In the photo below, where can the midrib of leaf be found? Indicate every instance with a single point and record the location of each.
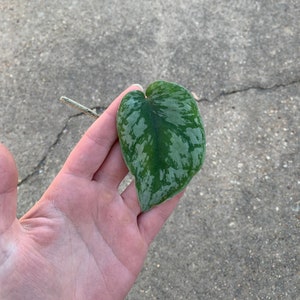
(155, 121)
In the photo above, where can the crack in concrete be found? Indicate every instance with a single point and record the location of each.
(41, 163)
(261, 88)
(254, 87)
(100, 109)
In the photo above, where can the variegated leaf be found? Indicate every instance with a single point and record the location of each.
(162, 140)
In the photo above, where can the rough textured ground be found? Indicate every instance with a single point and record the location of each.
(235, 235)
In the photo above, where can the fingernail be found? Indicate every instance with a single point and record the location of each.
(139, 86)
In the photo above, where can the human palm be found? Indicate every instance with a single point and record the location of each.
(83, 239)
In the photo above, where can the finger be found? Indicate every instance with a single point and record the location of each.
(113, 169)
(96, 143)
(130, 198)
(8, 189)
(152, 221)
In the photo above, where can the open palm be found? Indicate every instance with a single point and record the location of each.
(82, 240)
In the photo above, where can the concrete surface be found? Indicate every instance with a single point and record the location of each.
(235, 235)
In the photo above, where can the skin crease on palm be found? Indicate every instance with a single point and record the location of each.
(82, 239)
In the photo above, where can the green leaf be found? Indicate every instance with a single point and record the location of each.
(162, 140)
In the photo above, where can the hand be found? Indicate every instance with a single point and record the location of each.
(82, 240)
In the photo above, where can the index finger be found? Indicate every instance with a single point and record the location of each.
(92, 149)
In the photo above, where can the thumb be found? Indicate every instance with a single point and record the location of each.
(8, 189)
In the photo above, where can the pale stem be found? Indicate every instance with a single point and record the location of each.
(79, 107)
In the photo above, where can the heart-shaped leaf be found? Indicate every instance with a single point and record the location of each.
(162, 140)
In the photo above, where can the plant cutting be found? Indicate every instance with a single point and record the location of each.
(162, 139)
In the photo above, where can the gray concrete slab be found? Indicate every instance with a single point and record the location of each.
(235, 235)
